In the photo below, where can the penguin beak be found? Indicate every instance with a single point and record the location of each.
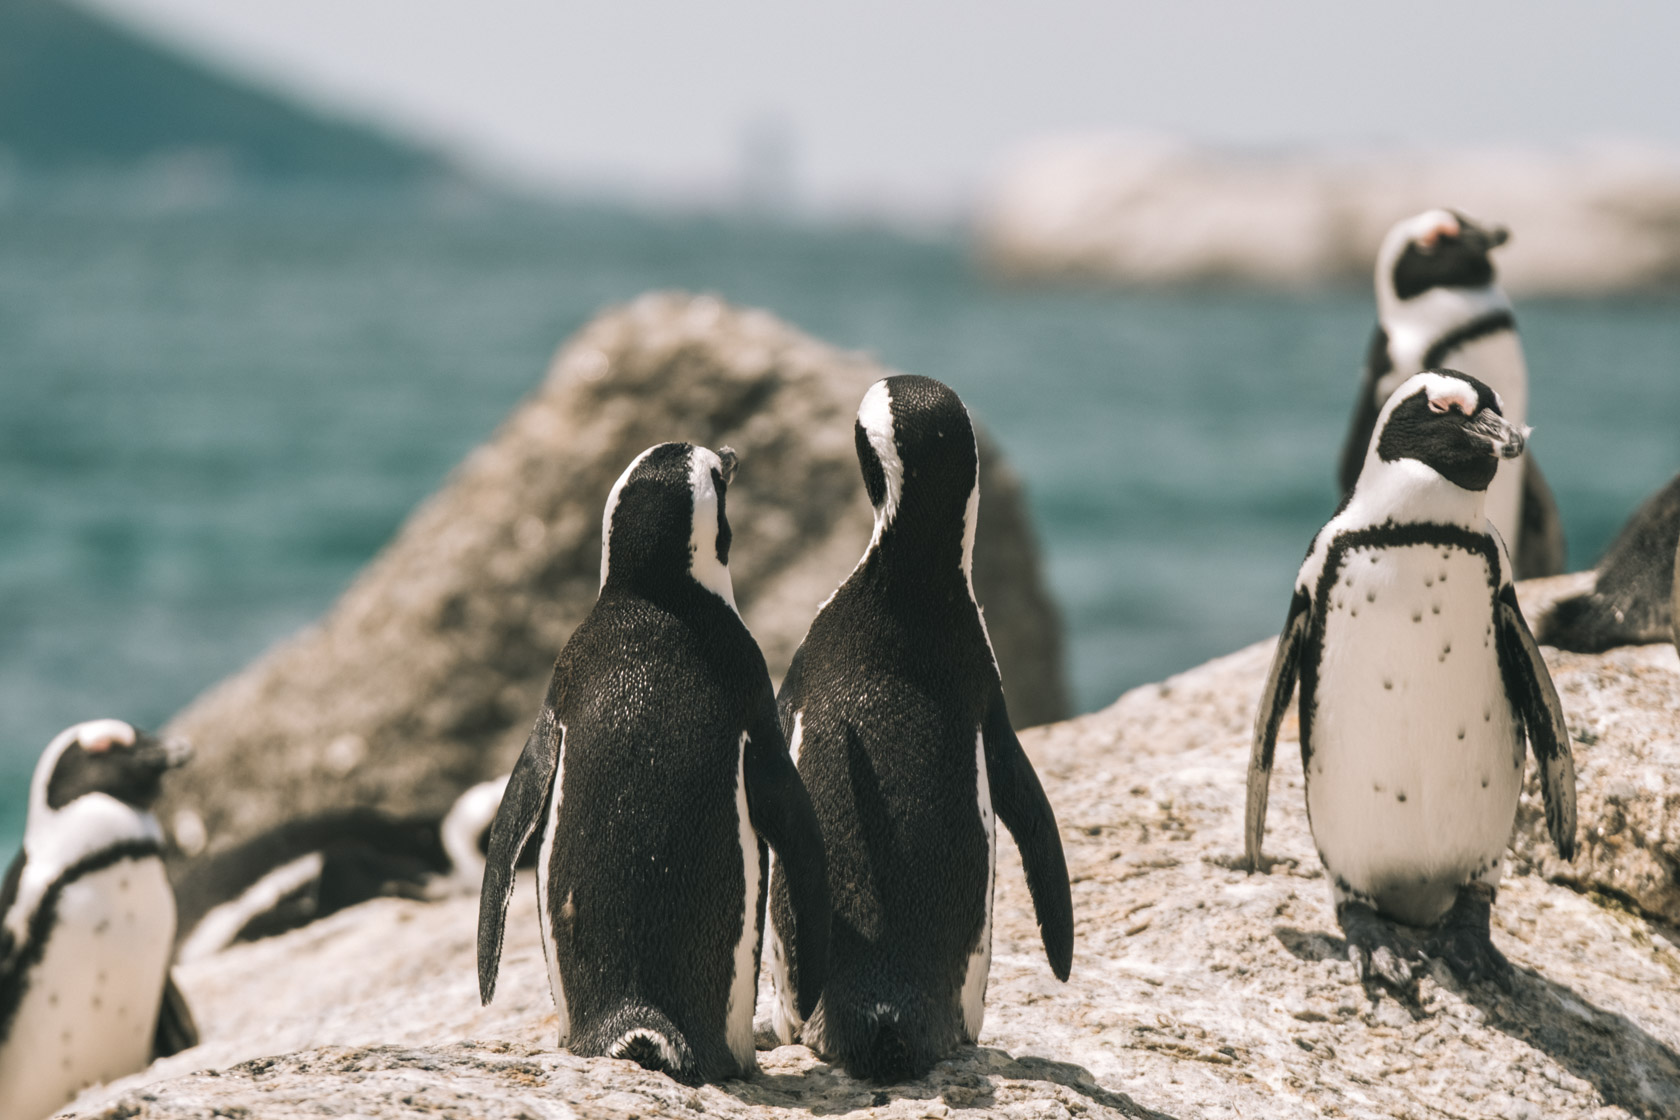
(1507, 439)
(727, 456)
(1483, 238)
(163, 754)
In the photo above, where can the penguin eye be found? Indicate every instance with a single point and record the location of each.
(1438, 406)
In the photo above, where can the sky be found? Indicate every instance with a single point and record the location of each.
(912, 104)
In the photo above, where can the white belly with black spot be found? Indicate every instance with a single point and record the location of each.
(1416, 754)
(90, 1012)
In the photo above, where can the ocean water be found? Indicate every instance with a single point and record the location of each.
(210, 420)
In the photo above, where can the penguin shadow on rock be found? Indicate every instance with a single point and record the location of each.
(87, 921)
(1421, 690)
(894, 711)
(655, 779)
(1627, 1067)
(1439, 304)
(1633, 599)
(305, 869)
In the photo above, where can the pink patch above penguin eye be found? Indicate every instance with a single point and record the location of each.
(1437, 406)
(1433, 235)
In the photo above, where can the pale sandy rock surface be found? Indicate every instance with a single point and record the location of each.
(1197, 990)
(425, 676)
(1132, 209)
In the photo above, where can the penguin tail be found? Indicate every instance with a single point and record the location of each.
(879, 1045)
(653, 1042)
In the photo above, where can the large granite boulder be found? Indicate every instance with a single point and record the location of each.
(1198, 990)
(425, 676)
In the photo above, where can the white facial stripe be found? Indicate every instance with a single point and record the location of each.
(105, 732)
(1452, 394)
(702, 542)
(612, 507)
(875, 414)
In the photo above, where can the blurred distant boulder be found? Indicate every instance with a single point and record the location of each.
(426, 674)
(1122, 209)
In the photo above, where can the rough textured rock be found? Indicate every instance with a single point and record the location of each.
(1129, 209)
(1197, 990)
(426, 674)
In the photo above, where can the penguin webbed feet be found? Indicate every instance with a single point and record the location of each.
(1464, 943)
(1376, 948)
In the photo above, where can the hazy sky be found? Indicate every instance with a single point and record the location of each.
(912, 102)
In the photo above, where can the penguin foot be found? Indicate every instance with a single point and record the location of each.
(1375, 947)
(1464, 941)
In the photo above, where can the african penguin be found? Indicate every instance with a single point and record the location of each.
(655, 775)
(1631, 602)
(1419, 683)
(86, 922)
(895, 712)
(309, 867)
(1439, 304)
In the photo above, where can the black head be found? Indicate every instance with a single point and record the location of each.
(1450, 422)
(1440, 249)
(109, 756)
(665, 522)
(915, 443)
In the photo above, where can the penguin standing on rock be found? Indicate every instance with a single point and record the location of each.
(655, 774)
(87, 923)
(1419, 684)
(894, 709)
(1439, 305)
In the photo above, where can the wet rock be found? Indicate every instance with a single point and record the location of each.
(1198, 990)
(425, 676)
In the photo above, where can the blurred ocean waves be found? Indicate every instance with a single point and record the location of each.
(213, 415)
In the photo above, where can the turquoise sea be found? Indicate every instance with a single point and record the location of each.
(210, 419)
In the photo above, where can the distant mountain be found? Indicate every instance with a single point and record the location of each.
(78, 92)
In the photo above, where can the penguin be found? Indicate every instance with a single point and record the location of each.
(1419, 682)
(655, 775)
(894, 709)
(307, 868)
(1631, 602)
(1439, 304)
(86, 922)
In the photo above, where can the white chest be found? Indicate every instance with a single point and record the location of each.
(1416, 754)
(90, 1010)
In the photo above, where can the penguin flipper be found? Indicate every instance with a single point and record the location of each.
(523, 807)
(1365, 411)
(1274, 705)
(1540, 547)
(8, 899)
(176, 1030)
(1019, 801)
(1535, 698)
(780, 809)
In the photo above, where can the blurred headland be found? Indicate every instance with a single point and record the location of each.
(85, 101)
(1588, 220)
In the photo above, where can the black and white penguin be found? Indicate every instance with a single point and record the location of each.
(309, 867)
(1440, 305)
(1631, 602)
(1419, 683)
(87, 922)
(655, 774)
(895, 712)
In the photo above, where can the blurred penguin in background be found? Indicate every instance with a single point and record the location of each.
(1439, 305)
(1632, 600)
(87, 923)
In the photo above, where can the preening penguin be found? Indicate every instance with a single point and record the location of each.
(1440, 305)
(655, 774)
(894, 709)
(86, 923)
(1632, 601)
(307, 868)
(1419, 683)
